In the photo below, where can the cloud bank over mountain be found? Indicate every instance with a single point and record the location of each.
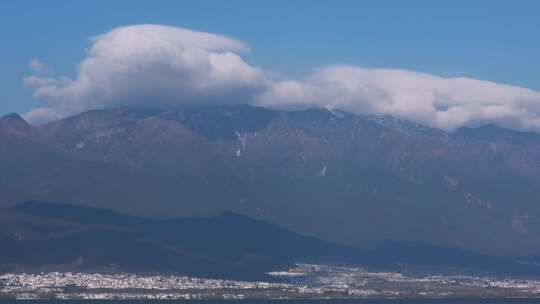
(155, 65)
(151, 65)
(445, 103)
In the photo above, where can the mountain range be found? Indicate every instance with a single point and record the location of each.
(342, 178)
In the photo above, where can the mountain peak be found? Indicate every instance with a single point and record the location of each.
(13, 116)
(14, 124)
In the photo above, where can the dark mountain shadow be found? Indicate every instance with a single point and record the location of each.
(228, 245)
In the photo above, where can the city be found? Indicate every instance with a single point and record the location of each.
(305, 281)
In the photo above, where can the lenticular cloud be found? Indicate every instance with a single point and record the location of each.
(163, 66)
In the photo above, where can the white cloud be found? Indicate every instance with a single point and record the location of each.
(40, 116)
(153, 65)
(445, 103)
(39, 67)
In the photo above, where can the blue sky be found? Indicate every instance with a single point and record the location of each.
(488, 40)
